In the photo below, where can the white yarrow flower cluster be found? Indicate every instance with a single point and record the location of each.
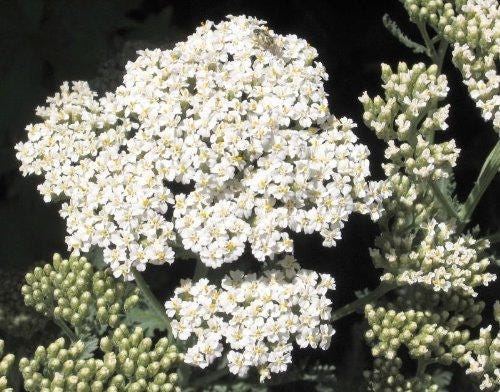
(219, 142)
(257, 318)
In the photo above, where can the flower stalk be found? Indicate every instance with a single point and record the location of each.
(66, 329)
(444, 201)
(358, 304)
(152, 301)
(490, 168)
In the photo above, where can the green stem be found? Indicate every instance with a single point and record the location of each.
(437, 58)
(372, 296)
(152, 301)
(444, 201)
(421, 366)
(200, 270)
(443, 47)
(493, 238)
(490, 168)
(431, 50)
(67, 330)
(205, 381)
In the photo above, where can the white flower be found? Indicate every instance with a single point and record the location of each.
(258, 318)
(236, 363)
(211, 145)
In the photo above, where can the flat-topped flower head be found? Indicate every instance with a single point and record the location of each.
(224, 140)
(257, 319)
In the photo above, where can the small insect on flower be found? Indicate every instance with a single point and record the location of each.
(267, 41)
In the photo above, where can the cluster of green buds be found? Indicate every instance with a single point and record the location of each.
(16, 319)
(6, 361)
(465, 22)
(407, 118)
(130, 362)
(475, 24)
(435, 257)
(437, 13)
(386, 376)
(430, 325)
(435, 328)
(473, 28)
(482, 356)
(71, 290)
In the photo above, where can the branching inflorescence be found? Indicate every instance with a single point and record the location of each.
(472, 27)
(425, 255)
(419, 249)
(224, 144)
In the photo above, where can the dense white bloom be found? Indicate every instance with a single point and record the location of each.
(214, 144)
(258, 318)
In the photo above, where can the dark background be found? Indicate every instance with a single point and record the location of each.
(43, 43)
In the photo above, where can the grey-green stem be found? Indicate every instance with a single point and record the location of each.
(200, 270)
(437, 58)
(356, 305)
(431, 50)
(444, 201)
(489, 170)
(490, 167)
(66, 329)
(152, 301)
(494, 238)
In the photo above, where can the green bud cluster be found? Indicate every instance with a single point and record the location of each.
(481, 78)
(472, 27)
(16, 319)
(421, 246)
(435, 328)
(429, 324)
(386, 376)
(475, 32)
(407, 118)
(437, 13)
(475, 25)
(130, 363)
(71, 290)
(463, 22)
(6, 362)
